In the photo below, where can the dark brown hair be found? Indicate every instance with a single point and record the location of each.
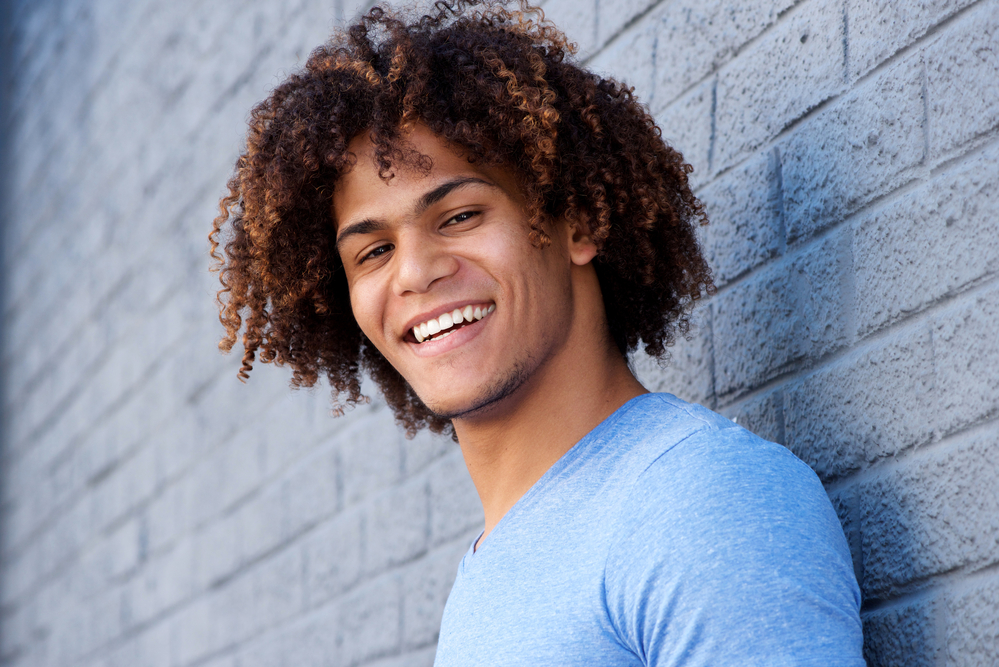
(499, 83)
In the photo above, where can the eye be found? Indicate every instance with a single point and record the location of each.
(377, 252)
(461, 217)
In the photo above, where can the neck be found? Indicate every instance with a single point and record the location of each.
(511, 447)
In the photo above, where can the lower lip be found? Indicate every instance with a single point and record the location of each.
(458, 337)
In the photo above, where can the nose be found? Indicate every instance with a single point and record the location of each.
(421, 260)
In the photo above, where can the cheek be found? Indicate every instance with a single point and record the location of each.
(368, 307)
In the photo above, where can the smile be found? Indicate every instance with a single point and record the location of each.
(446, 324)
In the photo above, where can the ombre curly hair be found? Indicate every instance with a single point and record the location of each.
(501, 84)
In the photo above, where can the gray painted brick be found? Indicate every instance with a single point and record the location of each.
(425, 587)
(790, 312)
(314, 640)
(222, 661)
(745, 212)
(454, 504)
(223, 477)
(629, 57)
(966, 354)
(273, 647)
(122, 550)
(258, 524)
(864, 145)
(151, 648)
(145, 592)
(805, 53)
(879, 28)
(137, 471)
(191, 632)
(577, 20)
(16, 625)
(687, 126)
(935, 512)
(972, 630)
(333, 556)
(956, 214)
(962, 104)
(955, 627)
(278, 588)
(424, 449)
(902, 635)
(687, 373)
(370, 457)
(310, 490)
(219, 546)
(696, 37)
(763, 415)
(172, 577)
(865, 407)
(613, 16)
(397, 525)
(369, 621)
(170, 515)
(419, 658)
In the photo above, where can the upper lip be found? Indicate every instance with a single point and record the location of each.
(440, 310)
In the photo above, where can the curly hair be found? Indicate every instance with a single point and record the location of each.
(503, 86)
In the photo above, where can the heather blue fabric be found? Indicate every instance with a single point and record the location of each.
(667, 536)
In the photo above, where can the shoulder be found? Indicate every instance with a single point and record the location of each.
(650, 425)
(720, 483)
(703, 475)
(730, 538)
(669, 442)
(673, 439)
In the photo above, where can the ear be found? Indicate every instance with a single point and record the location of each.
(582, 249)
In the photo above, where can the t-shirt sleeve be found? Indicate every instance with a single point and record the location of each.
(731, 554)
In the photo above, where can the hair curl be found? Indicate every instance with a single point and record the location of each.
(499, 83)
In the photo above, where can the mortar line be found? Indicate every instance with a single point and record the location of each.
(956, 300)
(875, 205)
(925, 450)
(935, 587)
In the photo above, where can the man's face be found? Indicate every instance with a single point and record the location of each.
(421, 251)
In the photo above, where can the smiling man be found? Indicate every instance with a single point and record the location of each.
(454, 207)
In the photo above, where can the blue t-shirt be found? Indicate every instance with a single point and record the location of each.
(668, 535)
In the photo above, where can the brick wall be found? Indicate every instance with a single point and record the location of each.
(154, 511)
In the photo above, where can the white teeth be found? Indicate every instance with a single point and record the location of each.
(430, 329)
(442, 335)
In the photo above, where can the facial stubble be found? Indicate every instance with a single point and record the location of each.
(500, 389)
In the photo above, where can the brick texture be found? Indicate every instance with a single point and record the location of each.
(864, 144)
(934, 241)
(804, 56)
(880, 28)
(155, 511)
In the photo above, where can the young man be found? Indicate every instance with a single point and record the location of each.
(452, 206)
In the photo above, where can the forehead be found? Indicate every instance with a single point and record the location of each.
(362, 193)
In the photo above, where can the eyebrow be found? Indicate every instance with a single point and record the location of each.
(366, 226)
(444, 189)
(369, 225)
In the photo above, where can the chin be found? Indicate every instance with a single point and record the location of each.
(487, 399)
